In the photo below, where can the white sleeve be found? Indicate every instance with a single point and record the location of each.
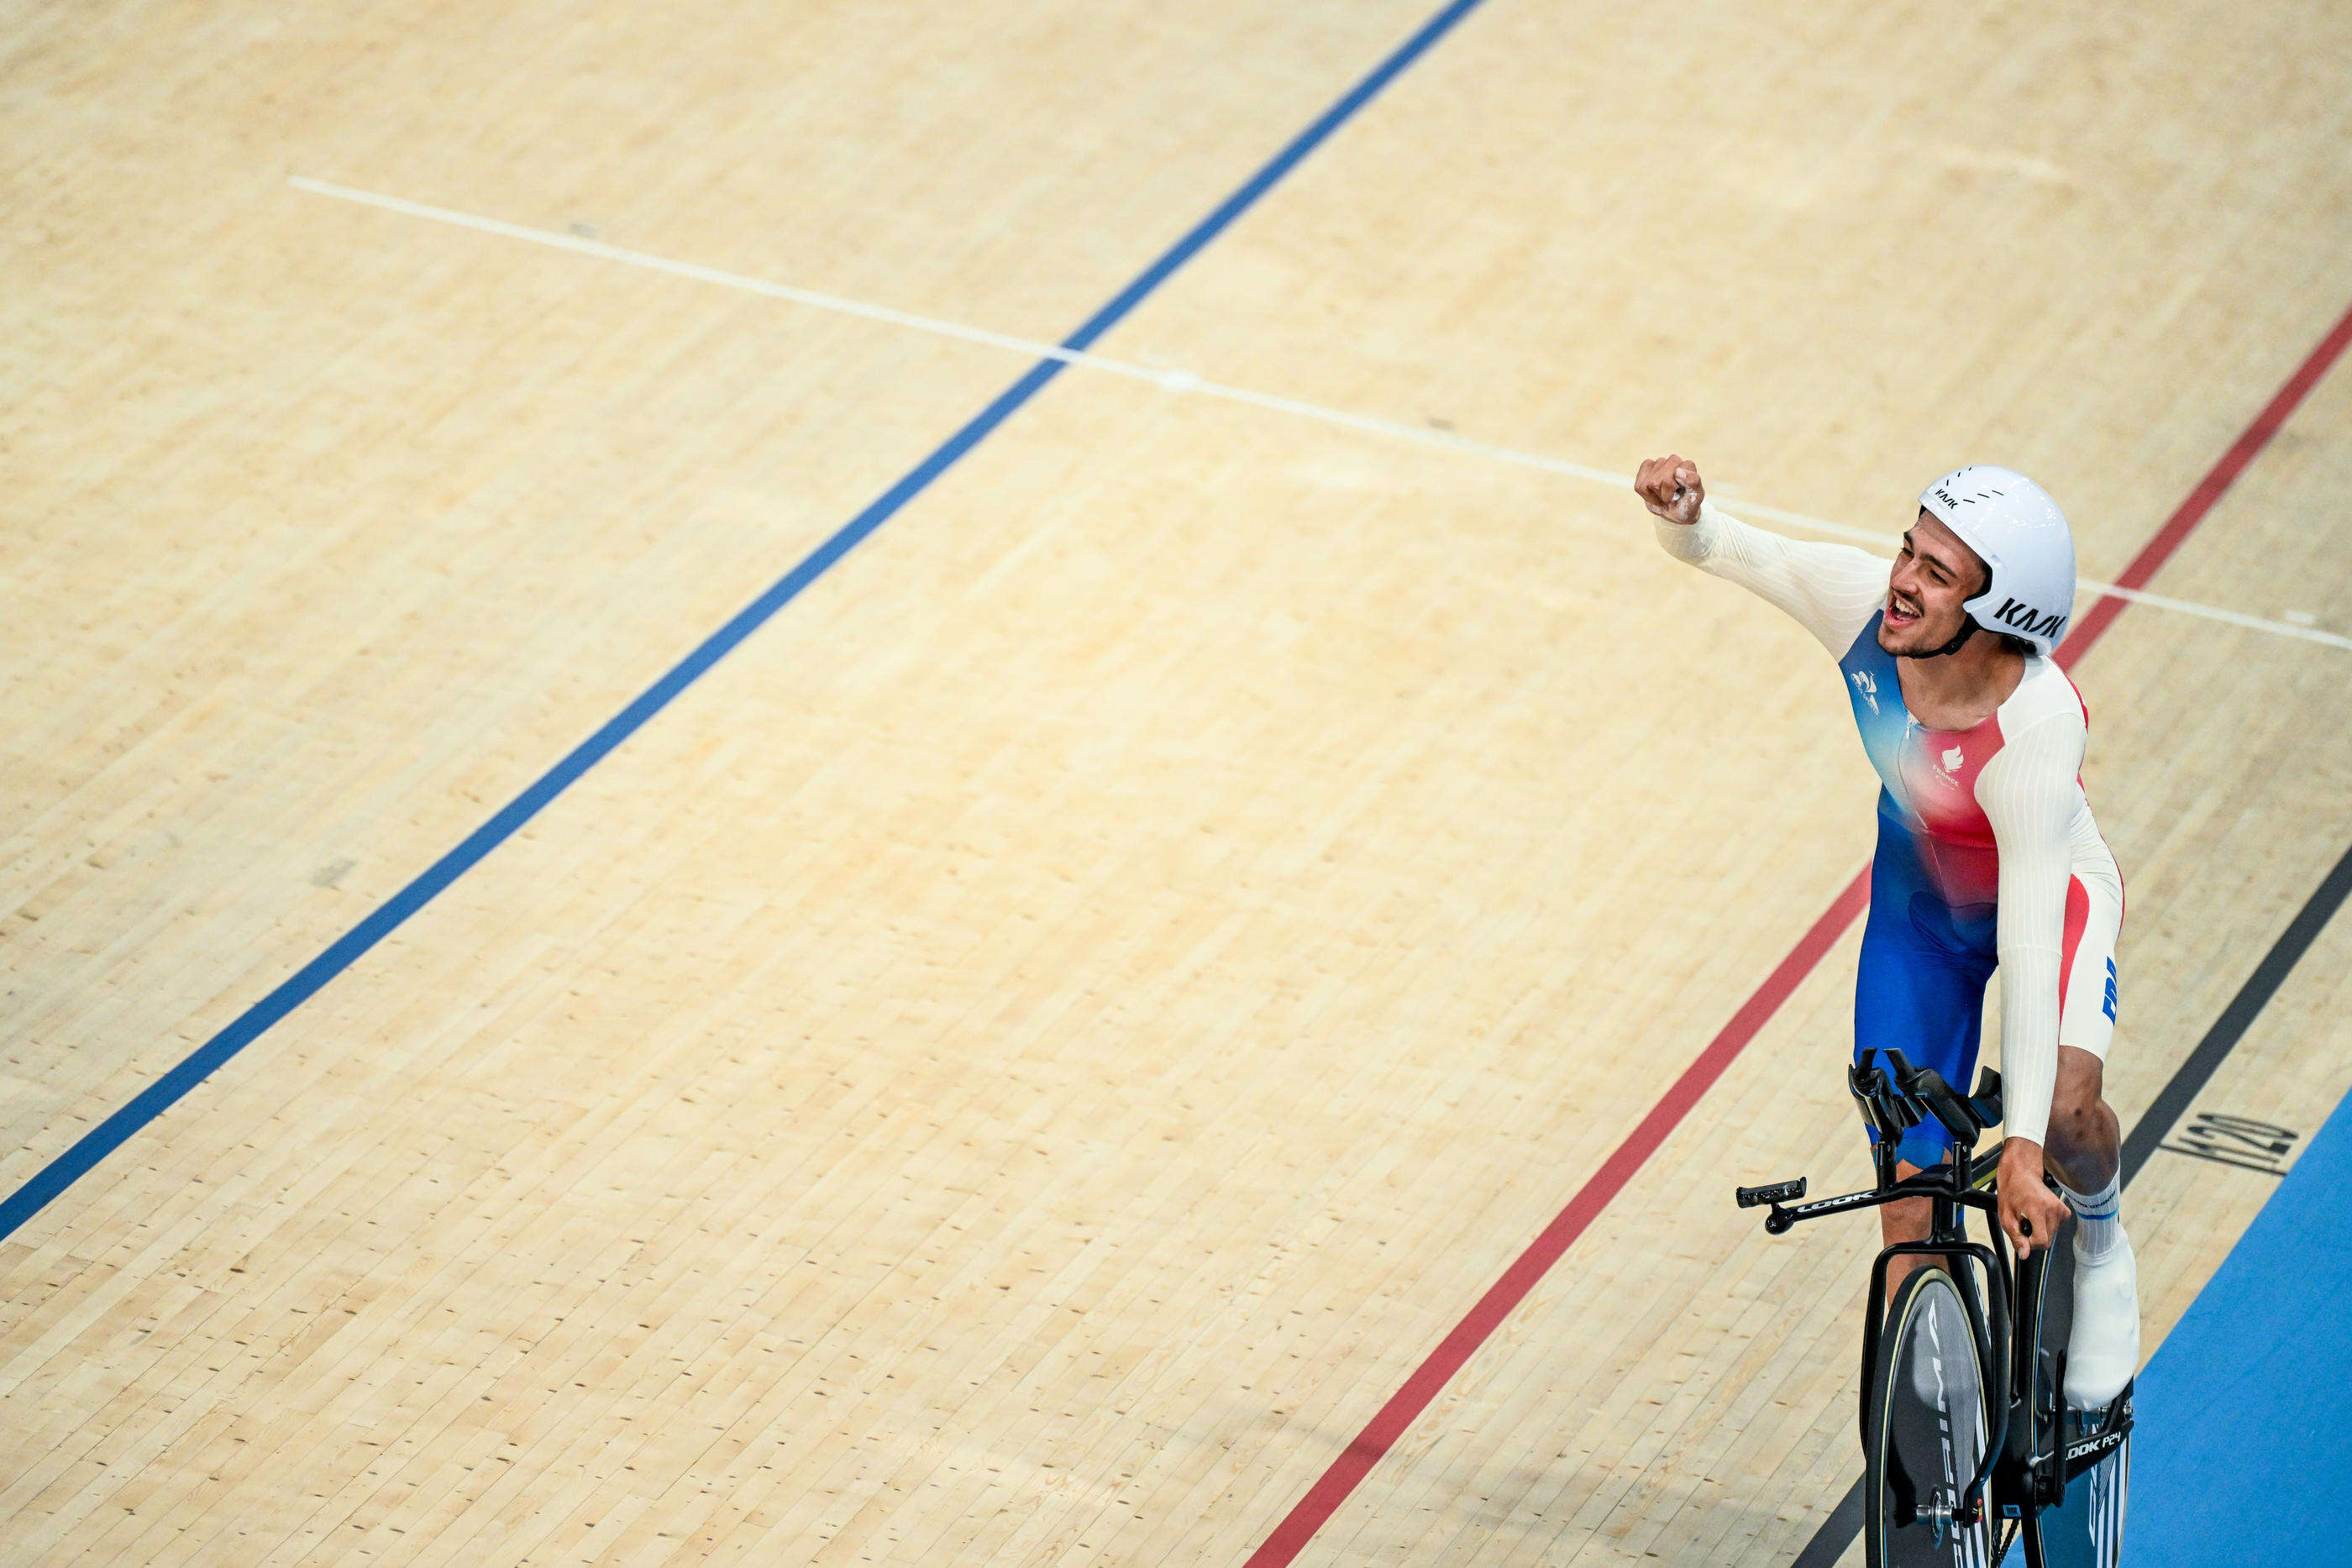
(1832, 590)
(2027, 791)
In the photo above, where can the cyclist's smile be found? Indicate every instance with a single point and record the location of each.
(1926, 587)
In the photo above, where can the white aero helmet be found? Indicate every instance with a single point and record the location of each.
(2017, 528)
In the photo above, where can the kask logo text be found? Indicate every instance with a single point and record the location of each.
(2026, 619)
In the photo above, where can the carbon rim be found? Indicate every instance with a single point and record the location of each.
(1927, 1431)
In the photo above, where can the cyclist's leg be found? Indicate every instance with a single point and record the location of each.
(1920, 990)
(2084, 1148)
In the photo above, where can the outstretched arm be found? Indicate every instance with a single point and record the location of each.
(1832, 590)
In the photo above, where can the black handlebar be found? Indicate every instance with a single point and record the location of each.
(1894, 1098)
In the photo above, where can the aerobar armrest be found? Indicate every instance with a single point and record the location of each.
(1955, 1110)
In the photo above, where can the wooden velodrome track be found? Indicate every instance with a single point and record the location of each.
(1022, 1059)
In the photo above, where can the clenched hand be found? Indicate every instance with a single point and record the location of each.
(1670, 486)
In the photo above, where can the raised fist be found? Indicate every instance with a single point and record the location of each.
(1670, 486)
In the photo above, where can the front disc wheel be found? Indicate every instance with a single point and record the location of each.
(1926, 1433)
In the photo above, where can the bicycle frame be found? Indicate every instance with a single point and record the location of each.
(1893, 1099)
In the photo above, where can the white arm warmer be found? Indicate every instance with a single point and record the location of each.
(2028, 793)
(1832, 590)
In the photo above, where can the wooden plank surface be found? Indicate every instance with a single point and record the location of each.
(1020, 1060)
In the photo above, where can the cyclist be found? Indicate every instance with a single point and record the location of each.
(1987, 853)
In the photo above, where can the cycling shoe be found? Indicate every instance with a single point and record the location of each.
(2103, 1352)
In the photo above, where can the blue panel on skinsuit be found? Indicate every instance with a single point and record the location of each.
(2243, 1451)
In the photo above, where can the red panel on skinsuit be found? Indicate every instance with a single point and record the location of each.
(2078, 915)
(1940, 768)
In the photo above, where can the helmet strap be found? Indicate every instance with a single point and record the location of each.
(1969, 629)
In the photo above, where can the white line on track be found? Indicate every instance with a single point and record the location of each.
(1178, 380)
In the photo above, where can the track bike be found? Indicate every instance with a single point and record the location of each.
(1969, 1447)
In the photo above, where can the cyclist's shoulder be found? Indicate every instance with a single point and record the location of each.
(2044, 698)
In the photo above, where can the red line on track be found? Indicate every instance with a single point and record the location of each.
(1381, 1434)
(2220, 477)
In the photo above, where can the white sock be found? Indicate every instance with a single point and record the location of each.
(2098, 1219)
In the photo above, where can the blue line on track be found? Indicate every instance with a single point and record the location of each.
(2244, 1445)
(311, 977)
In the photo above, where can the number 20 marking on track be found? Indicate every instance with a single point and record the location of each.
(2238, 1141)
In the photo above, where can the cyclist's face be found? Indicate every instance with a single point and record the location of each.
(1932, 577)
